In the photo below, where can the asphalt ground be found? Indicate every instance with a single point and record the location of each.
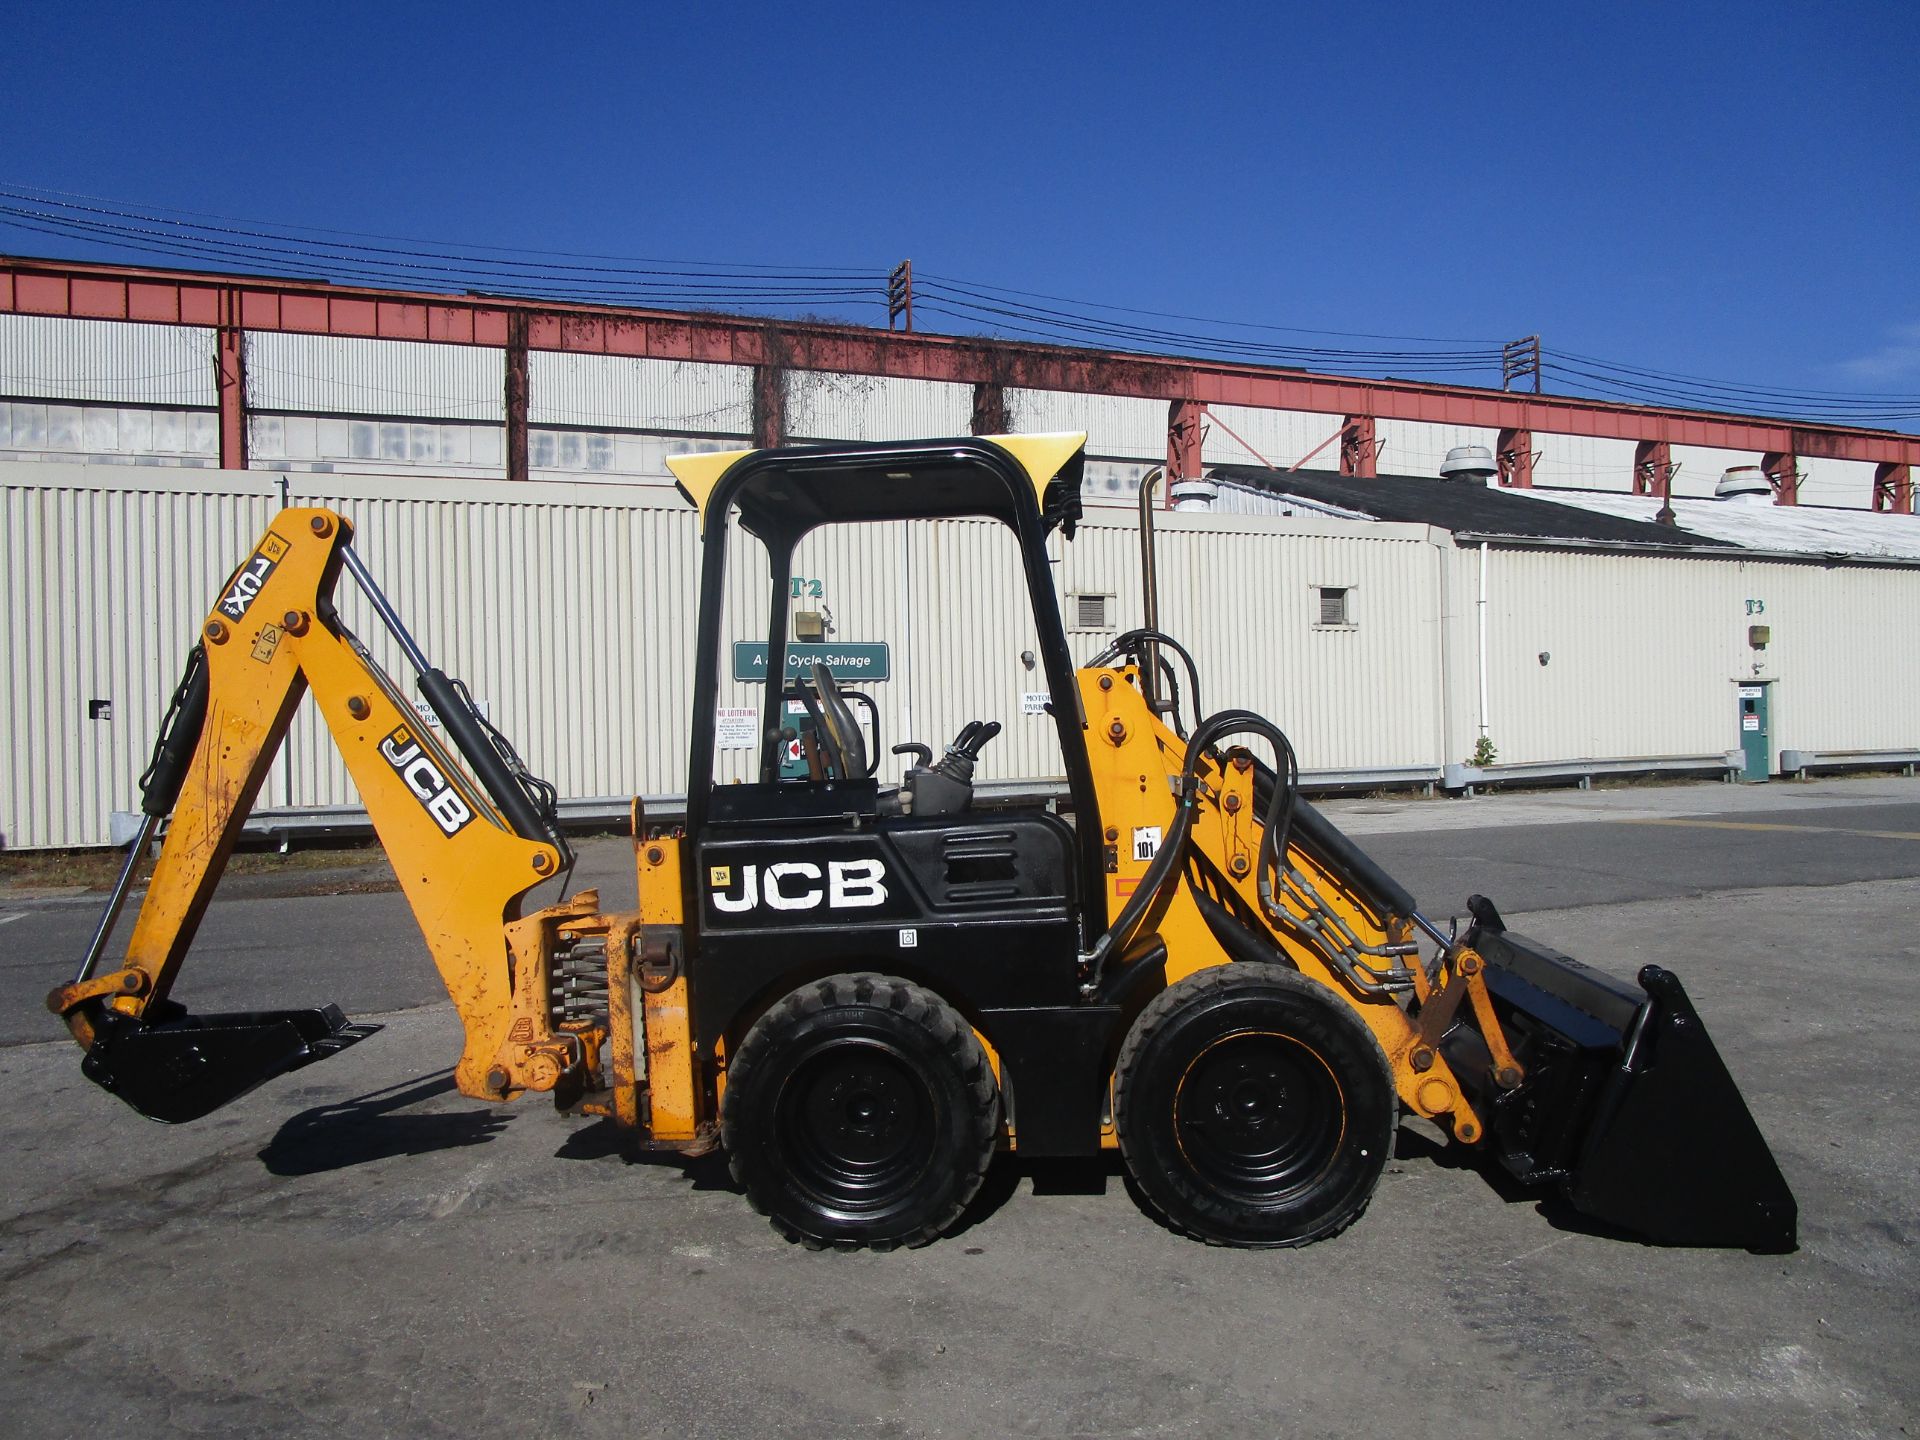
(359, 1249)
(263, 947)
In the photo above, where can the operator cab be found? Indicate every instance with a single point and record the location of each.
(885, 847)
(813, 752)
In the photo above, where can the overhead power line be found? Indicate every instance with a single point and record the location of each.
(861, 295)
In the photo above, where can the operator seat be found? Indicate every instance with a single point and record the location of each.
(930, 788)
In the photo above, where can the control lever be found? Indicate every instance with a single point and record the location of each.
(974, 738)
(944, 787)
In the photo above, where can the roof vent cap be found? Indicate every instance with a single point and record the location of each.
(1745, 483)
(1472, 464)
(1193, 494)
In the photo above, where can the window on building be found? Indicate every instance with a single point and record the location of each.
(1335, 608)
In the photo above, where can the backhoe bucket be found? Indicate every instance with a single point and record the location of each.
(1626, 1103)
(182, 1066)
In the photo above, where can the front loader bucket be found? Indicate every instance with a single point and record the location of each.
(182, 1066)
(1626, 1104)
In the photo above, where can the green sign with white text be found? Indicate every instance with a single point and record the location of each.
(852, 661)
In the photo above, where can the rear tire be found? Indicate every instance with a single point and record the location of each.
(860, 1111)
(1254, 1107)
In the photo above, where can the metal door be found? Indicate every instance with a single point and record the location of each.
(1755, 731)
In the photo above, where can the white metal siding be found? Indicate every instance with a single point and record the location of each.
(1702, 466)
(1638, 656)
(345, 375)
(1416, 447)
(1244, 596)
(971, 620)
(1583, 462)
(826, 406)
(1279, 436)
(1644, 654)
(622, 393)
(105, 584)
(1119, 426)
(1836, 482)
(1842, 653)
(1241, 593)
(106, 361)
(569, 610)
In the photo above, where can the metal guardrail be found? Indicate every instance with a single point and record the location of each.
(1798, 762)
(284, 825)
(1466, 779)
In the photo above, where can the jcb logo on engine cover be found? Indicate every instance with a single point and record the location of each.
(801, 885)
(251, 576)
(412, 764)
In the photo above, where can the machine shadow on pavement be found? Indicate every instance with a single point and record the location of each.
(371, 1127)
(604, 1140)
(1411, 1144)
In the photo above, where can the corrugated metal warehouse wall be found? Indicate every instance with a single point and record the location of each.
(332, 374)
(569, 610)
(107, 574)
(1243, 594)
(620, 392)
(104, 362)
(567, 601)
(71, 386)
(1644, 654)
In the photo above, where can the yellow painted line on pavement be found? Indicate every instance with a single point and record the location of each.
(1795, 829)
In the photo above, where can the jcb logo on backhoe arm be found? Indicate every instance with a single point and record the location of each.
(251, 576)
(412, 764)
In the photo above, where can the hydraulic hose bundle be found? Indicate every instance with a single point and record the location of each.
(1167, 865)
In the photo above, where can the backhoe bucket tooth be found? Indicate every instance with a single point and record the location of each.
(1626, 1104)
(179, 1067)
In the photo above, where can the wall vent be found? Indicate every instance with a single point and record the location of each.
(1333, 605)
(1089, 612)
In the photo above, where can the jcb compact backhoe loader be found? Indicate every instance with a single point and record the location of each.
(862, 993)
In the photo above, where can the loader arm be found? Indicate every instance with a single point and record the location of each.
(272, 636)
(1324, 920)
(1558, 1072)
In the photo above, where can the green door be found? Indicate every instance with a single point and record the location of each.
(1755, 732)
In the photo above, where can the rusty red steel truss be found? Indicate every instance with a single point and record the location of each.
(233, 304)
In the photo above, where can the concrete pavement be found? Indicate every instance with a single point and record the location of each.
(358, 1250)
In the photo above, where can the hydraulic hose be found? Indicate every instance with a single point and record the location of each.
(1167, 865)
(1138, 645)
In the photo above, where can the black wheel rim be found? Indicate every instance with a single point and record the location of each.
(854, 1123)
(1259, 1116)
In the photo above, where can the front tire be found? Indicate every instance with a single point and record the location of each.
(860, 1110)
(1254, 1107)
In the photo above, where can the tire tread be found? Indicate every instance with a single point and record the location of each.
(955, 1041)
(1162, 1011)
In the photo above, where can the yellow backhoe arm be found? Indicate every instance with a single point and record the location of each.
(272, 635)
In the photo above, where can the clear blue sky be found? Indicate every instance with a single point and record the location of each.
(1722, 190)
